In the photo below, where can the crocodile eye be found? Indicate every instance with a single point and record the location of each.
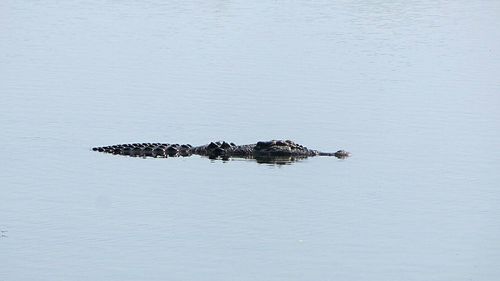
(281, 143)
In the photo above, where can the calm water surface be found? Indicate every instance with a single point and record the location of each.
(411, 89)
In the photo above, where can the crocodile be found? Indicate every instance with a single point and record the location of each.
(273, 151)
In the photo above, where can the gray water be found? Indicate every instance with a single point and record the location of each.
(410, 88)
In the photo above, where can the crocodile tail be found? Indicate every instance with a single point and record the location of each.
(147, 149)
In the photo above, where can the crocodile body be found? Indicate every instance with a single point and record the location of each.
(263, 151)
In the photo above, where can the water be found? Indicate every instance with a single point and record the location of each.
(411, 89)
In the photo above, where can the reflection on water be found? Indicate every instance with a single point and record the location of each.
(273, 160)
(278, 160)
(269, 159)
